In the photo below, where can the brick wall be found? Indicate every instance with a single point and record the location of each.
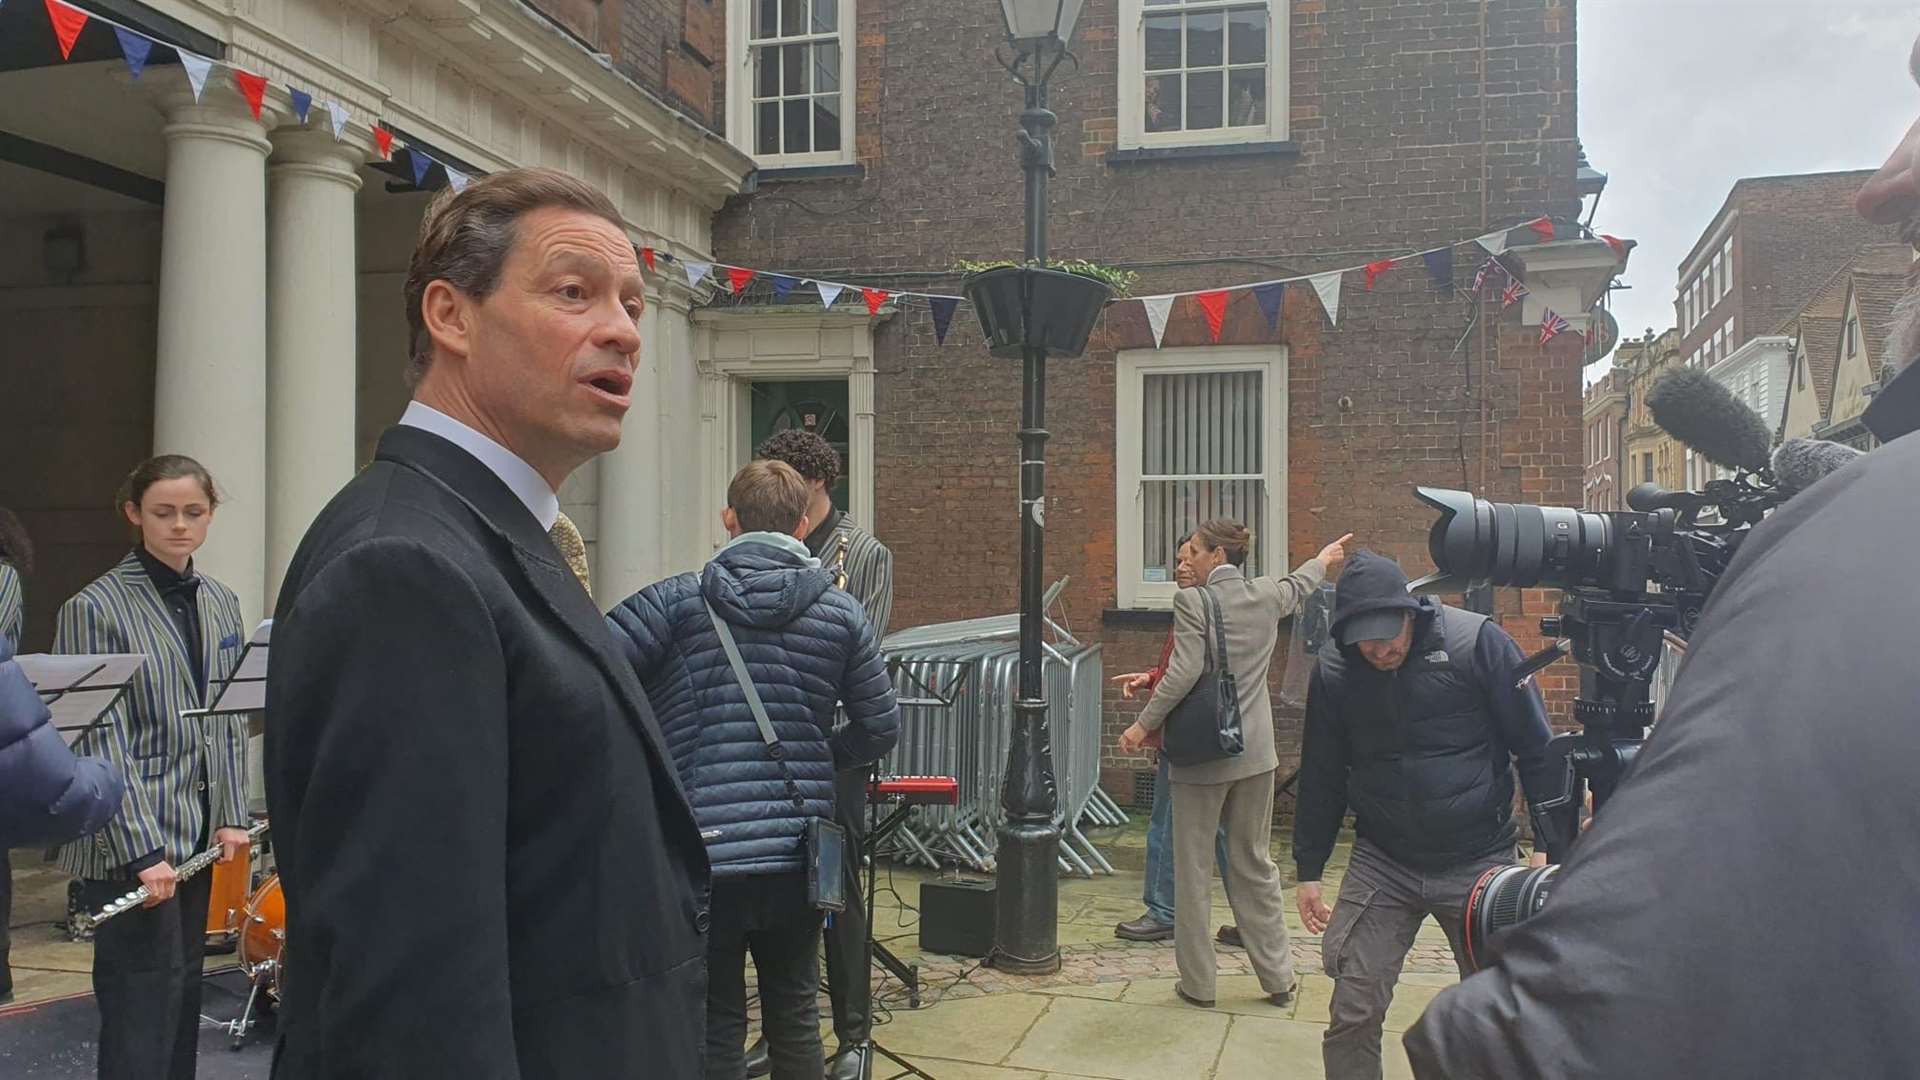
(1386, 110)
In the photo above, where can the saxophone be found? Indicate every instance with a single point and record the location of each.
(186, 870)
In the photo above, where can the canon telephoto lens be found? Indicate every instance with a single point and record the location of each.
(1505, 896)
(1515, 544)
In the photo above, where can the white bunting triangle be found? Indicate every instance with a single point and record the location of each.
(1328, 288)
(197, 69)
(829, 293)
(696, 271)
(338, 114)
(1494, 242)
(456, 179)
(1157, 309)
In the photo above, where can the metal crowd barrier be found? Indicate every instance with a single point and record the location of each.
(957, 683)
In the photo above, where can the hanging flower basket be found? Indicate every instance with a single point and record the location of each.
(1024, 307)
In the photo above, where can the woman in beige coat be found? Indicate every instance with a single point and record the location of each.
(1237, 790)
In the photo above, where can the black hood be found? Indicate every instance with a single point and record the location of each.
(1895, 410)
(762, 584)
(1370, 583)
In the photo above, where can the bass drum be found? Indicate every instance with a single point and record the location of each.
(263, 929)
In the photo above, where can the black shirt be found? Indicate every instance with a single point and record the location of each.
(822, 534)
(181, 593)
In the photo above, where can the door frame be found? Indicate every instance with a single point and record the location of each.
(740, 346)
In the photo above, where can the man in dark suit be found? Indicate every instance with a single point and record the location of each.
(490, 867)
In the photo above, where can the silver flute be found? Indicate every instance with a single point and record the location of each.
(186, 870)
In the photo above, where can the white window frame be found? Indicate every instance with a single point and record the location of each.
(1133, 133)
(740, 90)
(1132, 366)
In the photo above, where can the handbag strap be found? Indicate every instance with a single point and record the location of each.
(1217, 645)
(775, 749)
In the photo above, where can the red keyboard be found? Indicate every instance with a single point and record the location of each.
(915, 790)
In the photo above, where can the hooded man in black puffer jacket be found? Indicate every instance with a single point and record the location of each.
(1415, 722)
(807, 646)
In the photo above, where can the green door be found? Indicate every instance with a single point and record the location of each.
(818, 406)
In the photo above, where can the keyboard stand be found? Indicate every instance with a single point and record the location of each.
(906, 973)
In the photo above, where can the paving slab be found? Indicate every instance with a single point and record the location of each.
(982, 1030)
(1117, 1040)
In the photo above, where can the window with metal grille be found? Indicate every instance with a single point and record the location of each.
(1201, 434)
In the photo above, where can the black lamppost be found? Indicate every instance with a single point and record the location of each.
(1033, 313)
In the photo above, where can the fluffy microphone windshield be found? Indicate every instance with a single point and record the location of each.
(1801, 463)
(1704, 415)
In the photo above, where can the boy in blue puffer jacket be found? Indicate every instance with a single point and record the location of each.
(808, 647)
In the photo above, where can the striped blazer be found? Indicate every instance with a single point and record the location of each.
(863, 566)
(13, 609)
(171, 763)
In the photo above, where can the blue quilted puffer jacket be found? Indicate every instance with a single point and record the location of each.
(807, 645)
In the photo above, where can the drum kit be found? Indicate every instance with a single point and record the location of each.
(257, 928)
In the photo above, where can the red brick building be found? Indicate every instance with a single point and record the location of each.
(1200, 144)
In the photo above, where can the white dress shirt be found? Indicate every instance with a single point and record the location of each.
(521, 479)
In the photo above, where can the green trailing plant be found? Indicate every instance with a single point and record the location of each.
(1120, 281)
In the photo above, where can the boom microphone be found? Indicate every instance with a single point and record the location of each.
(1801, 463)
(1709, 420)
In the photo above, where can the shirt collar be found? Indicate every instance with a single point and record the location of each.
(822, 533)
(527, 485)
(164, 577)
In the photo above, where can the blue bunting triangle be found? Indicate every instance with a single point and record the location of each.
(1269, 296)
(302, 101)
(942, 316)
(421, 163)
(1440, 268)
(135, 48)
(782, 285)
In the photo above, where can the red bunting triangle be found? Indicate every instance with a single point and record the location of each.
(1214, 303)
(1375, 269)
(1542, 227)
(875, 297)
(646, 256)
(738, 276)
(253, 87)
(383, 139)
(1618, 245)
(67, 24)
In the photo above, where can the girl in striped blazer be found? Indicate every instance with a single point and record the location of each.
(186, 782)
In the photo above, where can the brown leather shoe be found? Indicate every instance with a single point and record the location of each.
(1190, 999)
(1143, 929)
(1230, 935)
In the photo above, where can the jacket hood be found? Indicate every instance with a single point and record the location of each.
(1370, 583)
(762, 583)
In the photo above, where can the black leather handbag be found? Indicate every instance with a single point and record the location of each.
(1205, 726)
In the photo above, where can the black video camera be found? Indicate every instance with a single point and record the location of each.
(1629, 579)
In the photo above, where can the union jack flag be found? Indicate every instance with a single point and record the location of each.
(1552, 326)
(1512, 295)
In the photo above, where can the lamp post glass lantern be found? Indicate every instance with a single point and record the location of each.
(1027, 893)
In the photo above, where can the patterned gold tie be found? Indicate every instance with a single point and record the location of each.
(566, 537)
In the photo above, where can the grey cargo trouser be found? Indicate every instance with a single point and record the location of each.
(1382, 903)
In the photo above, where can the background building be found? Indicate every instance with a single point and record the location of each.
(1839, 336)
(1651, 455)
(1605, 417)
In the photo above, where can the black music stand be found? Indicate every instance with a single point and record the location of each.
(80, 690)
(878, 829)
(244, 690)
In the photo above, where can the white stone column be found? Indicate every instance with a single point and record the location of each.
(210, 383)
(311, 342)
(632, 549)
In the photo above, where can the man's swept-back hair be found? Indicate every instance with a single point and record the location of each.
(466, 236)
(768, 496)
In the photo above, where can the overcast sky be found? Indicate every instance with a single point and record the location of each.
(1680, 98)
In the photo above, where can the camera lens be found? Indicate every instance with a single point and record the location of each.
(1515, 544)
(1504, 896)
